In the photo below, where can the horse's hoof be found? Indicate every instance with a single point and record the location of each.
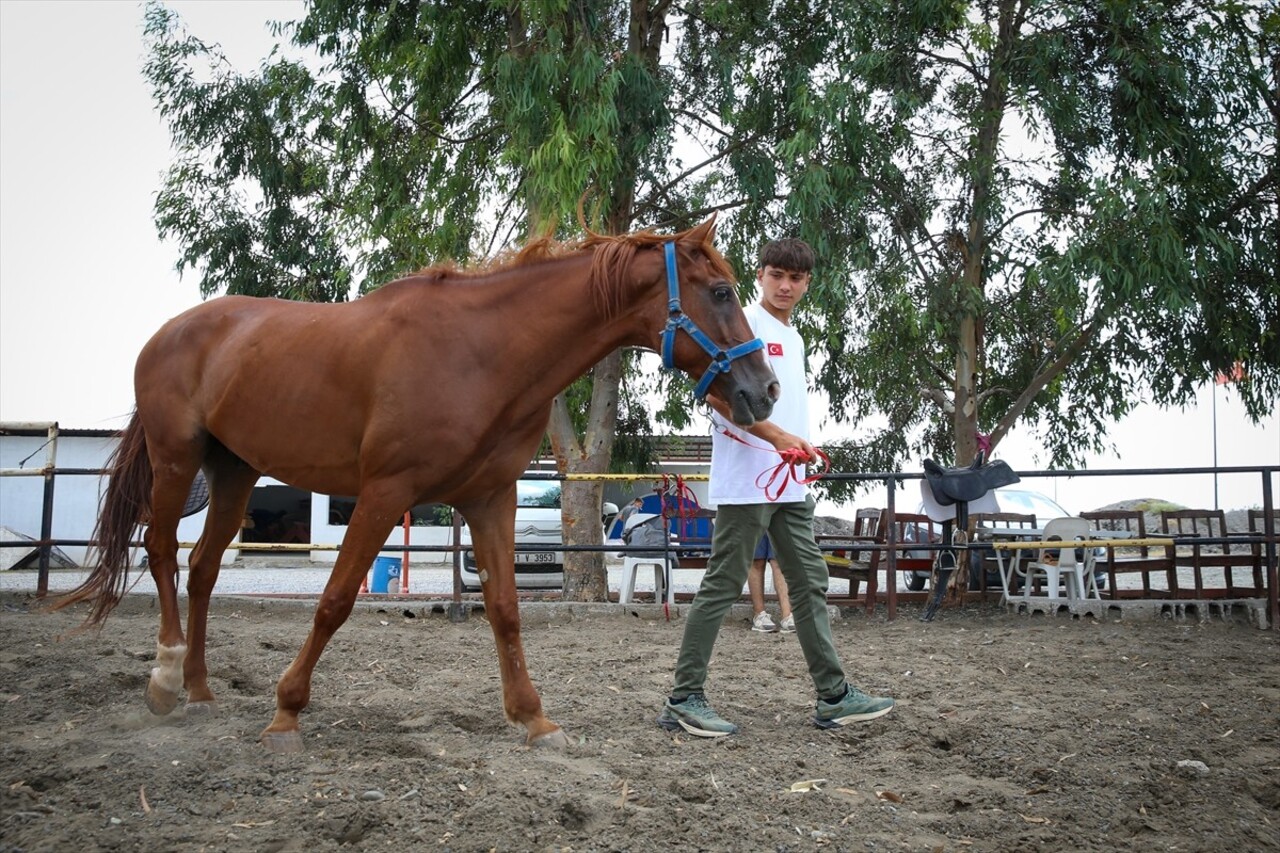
(282, 742)
(160, 702)
(554, 739)
(206, 708)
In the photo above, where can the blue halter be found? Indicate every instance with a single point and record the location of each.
(720, 358)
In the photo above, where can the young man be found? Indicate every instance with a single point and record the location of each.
(743, 513)
(760, 620)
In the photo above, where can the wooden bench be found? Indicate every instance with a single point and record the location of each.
(1224, 555)
(876, 547)
(1123, 560)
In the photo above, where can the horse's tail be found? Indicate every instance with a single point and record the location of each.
(126, 505)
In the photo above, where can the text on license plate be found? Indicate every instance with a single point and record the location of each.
(536, 557)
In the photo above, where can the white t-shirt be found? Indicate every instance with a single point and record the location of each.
(739, 468)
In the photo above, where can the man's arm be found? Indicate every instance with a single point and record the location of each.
(767, 431)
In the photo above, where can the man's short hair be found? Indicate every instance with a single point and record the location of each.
(787, 254)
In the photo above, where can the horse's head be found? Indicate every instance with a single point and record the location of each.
(706, 334)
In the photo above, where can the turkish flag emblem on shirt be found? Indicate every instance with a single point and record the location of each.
(775, 349)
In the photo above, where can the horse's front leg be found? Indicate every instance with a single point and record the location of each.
(376, 513)
(493, 539)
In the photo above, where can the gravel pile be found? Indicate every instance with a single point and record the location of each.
(1237, 519)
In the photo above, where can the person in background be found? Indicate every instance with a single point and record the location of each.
(744, 513)
(628, 511)
(761, 621)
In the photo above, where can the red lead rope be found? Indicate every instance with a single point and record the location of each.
(684, 498)
(785, 471)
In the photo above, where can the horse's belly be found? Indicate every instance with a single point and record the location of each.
(321, 482)
(297, 459)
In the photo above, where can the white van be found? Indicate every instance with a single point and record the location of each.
(538, 525)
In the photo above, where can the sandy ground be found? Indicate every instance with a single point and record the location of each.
(1011, 733)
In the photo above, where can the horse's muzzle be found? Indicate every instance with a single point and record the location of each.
(747, 407)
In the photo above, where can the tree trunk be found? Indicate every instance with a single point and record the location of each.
(965, 417)
(586, 578)
(585, 575)
(971, 287)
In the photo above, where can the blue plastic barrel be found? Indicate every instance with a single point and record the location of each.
(384, 569)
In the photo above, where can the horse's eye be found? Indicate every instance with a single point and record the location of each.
(723, 294)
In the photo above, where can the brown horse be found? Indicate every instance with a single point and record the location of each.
(434, 388)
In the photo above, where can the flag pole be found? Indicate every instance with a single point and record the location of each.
(1213, 389)
(1235, 375)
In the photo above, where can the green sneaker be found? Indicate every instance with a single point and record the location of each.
(696, 717)
(855, 707)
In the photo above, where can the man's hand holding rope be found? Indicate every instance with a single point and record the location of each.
(792, 447)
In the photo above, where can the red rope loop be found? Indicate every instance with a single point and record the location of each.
(685, 501)
(785, 471)
(676, 490)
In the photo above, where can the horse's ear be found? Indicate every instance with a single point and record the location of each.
(704, 234)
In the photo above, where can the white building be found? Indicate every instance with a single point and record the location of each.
(278, 512)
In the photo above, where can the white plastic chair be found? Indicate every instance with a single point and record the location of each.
(1065, 567)
(632, 563)
(661, 571)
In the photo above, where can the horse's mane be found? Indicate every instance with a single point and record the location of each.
(611, 260)
(536, 251)
(614, 254)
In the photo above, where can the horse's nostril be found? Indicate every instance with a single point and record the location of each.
(774, 391)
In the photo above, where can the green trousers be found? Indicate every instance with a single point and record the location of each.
(737, 529)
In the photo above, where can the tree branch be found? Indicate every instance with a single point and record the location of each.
(724, 152)
(991, 392)
(972, 70)
(938, 396)
(702, 212)
(1066, 355)
(1270, 179)
(697, 119)
(999, 229)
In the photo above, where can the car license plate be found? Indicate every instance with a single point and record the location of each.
(536, 557)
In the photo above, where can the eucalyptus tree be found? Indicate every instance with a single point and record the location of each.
(387, 135)
(1049, 212)
(1026, 212)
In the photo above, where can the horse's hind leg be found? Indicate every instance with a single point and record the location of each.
(230, 485)
(168, 496)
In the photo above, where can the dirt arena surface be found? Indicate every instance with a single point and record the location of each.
(1011, 733)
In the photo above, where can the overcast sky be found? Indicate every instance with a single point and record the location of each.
(84, 280)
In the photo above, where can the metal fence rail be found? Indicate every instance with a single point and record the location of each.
(891, 480)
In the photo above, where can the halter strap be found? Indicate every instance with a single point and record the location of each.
(677, 319)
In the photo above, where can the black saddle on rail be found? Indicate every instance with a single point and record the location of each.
(957, 487)
(952, 485)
